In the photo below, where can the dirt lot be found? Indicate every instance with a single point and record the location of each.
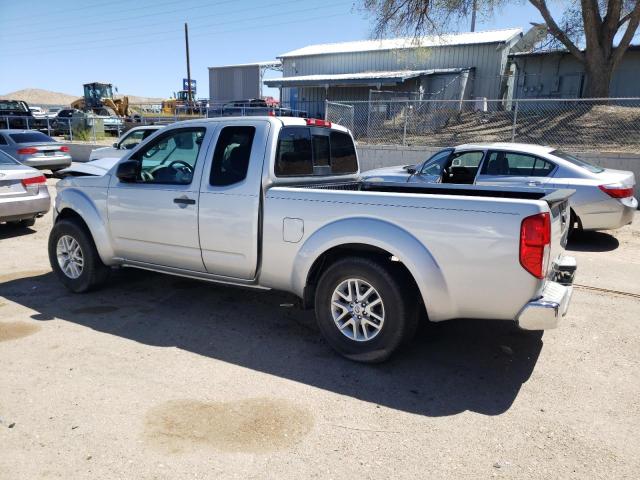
(160, 377)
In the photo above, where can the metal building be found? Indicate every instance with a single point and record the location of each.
(558, 74)
(464, 65)
(237, 82)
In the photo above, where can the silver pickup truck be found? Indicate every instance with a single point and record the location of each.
(278, 203)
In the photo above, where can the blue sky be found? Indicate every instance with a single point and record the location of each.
(139, 45)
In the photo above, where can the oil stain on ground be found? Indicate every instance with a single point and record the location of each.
(254, 425)
(14, 330)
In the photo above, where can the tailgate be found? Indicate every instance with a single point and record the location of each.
(558, 202)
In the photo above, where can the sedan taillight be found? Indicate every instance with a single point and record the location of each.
(64, 148)
(535, 241)
(31, 181)
(27, 151)
(616, 191)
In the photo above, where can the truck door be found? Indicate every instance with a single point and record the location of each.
(154, 220)
(230, 199)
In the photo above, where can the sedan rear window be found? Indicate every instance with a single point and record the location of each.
(577, 161)
(6, 159)
(30, 137)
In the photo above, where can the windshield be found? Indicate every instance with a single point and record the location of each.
(577, 161)
(6, 159)
(13, 105)
(30, 137)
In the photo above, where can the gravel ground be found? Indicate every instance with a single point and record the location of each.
(157, 377)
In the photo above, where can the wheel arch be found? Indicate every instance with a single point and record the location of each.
(75, 205)
(378, 239)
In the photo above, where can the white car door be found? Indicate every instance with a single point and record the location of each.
(514, 169)
(154, 219)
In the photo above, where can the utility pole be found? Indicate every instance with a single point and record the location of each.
(186, 42)
(474, 7)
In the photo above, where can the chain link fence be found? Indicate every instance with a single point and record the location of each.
(611, 125)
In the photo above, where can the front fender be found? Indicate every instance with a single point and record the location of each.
(80, 203)
(391, 238)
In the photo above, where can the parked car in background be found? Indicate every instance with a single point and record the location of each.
(604, 197)
(35, 149)
(15, 114)
(23, 192)
(125, 143)
(111, 122)
(61, 123)
(278, 203)
(52, 112)
(37, 112)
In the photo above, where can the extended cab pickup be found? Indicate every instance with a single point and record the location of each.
(277, 203)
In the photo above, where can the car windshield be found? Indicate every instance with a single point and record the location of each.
(29, 137)
(13, 106)
(6, 159)
(577, 161)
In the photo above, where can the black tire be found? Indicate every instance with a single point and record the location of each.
(94, 272)
(400, 314)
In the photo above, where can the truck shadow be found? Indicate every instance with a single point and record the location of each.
(459, 365)
(592, 242)
(11, 231)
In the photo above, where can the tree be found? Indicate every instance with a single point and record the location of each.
(596, 25)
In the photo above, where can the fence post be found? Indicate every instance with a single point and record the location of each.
(70, 130)
(515, 122)
(93, 129)
(404, 128)
(27, 120)
(48, 127)
(7, 120)
(326, 109)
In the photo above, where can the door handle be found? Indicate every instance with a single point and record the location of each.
(184, 201)
(534, 183)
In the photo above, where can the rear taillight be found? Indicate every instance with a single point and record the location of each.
(27, 151)
(535, 240)
(40, 180)
(617, 192)
(64, 148)
(317, 122)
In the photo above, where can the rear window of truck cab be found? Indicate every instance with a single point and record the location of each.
(305, 151)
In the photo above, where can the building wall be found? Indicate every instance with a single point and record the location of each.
(488, 61)
(234, 83)
(560, 75)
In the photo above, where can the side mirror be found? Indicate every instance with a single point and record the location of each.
(411, 170)
(128, 171)
(115, 145)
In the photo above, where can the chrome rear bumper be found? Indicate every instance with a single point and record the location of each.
(545, 312)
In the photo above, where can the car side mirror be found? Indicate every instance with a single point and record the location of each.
(128, 171)
(411, 170)
(115, 145)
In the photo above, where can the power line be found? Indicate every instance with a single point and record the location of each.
(251, 27)
(58, 47)
(147, 25)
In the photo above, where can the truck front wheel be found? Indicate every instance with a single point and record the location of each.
(74, 258)
(362, 309)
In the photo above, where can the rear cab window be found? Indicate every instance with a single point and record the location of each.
(308, 151)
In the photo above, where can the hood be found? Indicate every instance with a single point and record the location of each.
(96, 167)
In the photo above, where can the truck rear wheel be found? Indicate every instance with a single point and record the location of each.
(74, 258)
(362, 309)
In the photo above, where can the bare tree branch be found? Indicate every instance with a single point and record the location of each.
(625, 41)
(555, 30)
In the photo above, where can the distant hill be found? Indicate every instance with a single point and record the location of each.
(38, 96)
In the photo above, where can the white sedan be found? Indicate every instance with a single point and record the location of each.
(604, 198)
(126, 142)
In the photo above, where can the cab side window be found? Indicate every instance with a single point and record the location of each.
(231, 156)
(171, 158)
(436, 163)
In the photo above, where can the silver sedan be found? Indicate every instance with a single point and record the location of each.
(35, 149)
(23, 192)
(604, 198)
